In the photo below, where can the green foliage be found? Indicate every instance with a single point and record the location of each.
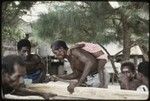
(10, 34)
(90, 21)
(69, 22)
(139, 24)
(11, 11)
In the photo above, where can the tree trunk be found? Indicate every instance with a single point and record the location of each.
(144, 52)
(126, 38)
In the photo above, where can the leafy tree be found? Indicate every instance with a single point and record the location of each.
(96, 22)
(11, 12)
(131, 23)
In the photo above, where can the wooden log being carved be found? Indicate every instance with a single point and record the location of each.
(60, 88)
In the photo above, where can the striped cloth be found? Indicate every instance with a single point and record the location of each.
(93, 48)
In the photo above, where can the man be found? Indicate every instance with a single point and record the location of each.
(13, 72)
(143, 68)
(83, 63)
(129, 79)
(36, 70)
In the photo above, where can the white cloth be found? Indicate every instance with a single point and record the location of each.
(94, 80)
(93, 48)
(142, 88)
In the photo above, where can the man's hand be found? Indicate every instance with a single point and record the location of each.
(46, 96)
(54, 78)
(124, 81)
(123, 78)
(71, 86)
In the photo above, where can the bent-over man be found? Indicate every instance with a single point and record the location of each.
(85, 59)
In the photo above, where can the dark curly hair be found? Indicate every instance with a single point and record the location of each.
(23, 43)
(130, 66)
(58, 44)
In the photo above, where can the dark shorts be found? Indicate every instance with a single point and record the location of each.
(35, 76)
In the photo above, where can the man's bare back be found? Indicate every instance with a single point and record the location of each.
(79, 58)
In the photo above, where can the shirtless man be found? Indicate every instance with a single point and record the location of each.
(36, 70)
(13, 72)
(129, 79)
(83, 63)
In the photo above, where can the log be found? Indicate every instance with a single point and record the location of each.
(60, 88)
(16, 97)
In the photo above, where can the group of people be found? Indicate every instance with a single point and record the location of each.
(85, 59)
(18, 67)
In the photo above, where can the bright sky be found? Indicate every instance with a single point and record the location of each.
(37, 9)
(114, 4)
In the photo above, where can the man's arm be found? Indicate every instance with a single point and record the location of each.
(35, 60)
(89, 62)
(27, 92)
(74, 73)
(87, 59)
(123, 81)
(143, 79)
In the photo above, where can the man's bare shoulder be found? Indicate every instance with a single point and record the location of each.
(75, 51)
(82, 54)
(35, 57)
(141, 77)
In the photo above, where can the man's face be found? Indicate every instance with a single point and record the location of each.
(24, 52)
(59, 53)
(16, 79)
(126, 71)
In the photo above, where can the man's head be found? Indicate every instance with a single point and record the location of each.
(24, 48)
(59, 48)
(13, 71)
(128, 69)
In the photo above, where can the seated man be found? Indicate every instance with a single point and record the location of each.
(36, 70)
(83, 62)
(143, 68)
(129, 79)
(13, 72)
(143, 71)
